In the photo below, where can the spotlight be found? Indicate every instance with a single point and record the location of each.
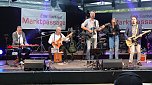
(1, 52)
(46, 0)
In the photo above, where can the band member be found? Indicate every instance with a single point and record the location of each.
(88, 25)
(113, 33)
(54, 39)
(132, 31)
(19, 39)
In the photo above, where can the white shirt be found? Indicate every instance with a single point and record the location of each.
(54, 37)
(88, 23)
(20, 37)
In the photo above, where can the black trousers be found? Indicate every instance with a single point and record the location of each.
(26, 50)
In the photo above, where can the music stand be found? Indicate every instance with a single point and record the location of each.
(6, 49)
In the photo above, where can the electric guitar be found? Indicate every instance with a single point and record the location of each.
(94, 29)
(58, 43)
(133, 39)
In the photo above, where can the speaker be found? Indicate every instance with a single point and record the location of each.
(34, 65)
(112, 64)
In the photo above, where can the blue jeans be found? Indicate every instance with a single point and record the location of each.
(112, 46)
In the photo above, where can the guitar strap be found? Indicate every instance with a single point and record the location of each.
(54, 37)
(136, 34)
(60, 36)
(136, 30)
(95, 23)
(94, 27)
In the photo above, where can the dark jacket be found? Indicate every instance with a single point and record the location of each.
(128, 32)
(111, 30)
(15, 38)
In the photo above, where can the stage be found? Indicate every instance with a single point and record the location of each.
(72, 72)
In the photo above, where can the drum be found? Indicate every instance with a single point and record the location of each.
(57, 57)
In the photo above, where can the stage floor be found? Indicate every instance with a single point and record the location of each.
(75, 65)
(72, 72)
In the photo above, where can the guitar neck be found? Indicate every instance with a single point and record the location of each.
(67, 36)
(142, 34)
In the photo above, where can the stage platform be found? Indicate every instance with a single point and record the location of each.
(72, 72)
(78, 55)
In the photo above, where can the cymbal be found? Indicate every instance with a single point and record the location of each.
(42, 36)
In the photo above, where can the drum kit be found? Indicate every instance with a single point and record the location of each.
(81, 44)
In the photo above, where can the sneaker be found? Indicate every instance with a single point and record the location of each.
(21, 62)
(130, 63)
(65, 62)
(139, 64)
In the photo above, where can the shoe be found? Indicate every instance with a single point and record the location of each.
(89, 62)
(139, 64)
(21, 63)
(65, 62)
(130, 63)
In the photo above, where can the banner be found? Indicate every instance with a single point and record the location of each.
(42, 19)
(124, 18)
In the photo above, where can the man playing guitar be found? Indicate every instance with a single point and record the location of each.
(56, 40)
(134, 30)
(90, 25)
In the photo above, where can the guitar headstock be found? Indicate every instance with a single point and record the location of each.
(147, 31)
(69, 35)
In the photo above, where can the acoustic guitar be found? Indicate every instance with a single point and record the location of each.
(72, 47)
(58, 43)
(134, 39)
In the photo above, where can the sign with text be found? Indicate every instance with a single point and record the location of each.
(124, 18)
(42, 19)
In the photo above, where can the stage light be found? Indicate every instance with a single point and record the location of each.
(46, 0)
(1, 52)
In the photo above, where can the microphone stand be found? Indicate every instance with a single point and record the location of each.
(6, 37)
(19, 54)
(41, 47)
(114, 44)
